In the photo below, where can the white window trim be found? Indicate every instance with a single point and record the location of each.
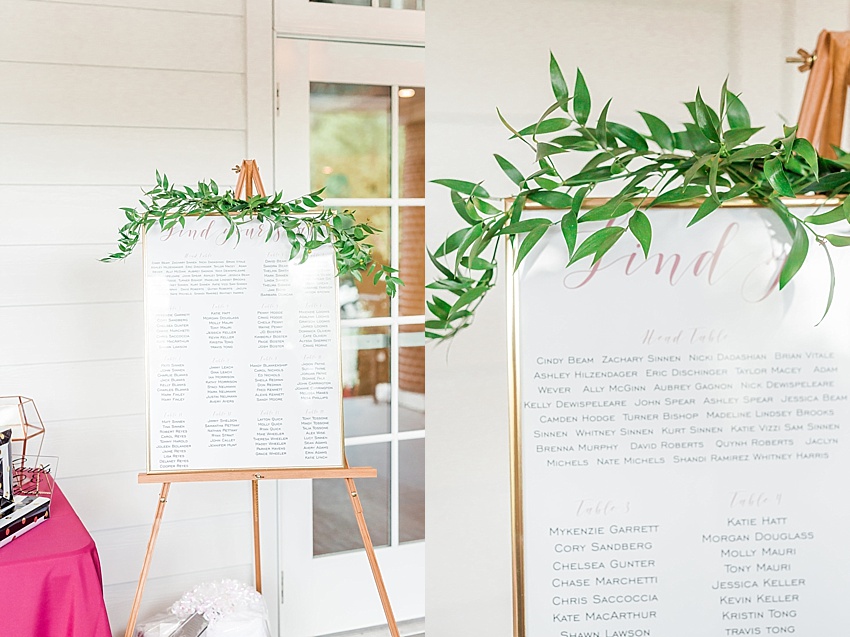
(347, 23)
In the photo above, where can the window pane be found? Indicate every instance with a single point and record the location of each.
(366, 380)
(411, 130)
(350, 139)
(411, 296)
(364, 299)
(334, 526)
(411, 378)
(411, 483)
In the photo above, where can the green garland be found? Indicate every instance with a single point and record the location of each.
(167, 205)
(708, 162)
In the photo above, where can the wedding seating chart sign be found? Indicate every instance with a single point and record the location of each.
(682, 433)
(243, 350)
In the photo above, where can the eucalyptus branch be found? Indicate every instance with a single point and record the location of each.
(305, 226)
(707, 162)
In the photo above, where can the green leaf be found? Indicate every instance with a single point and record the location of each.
(581, 100)
(477, 264)
(714, 164)
(517, 207)
(737, 136)
(691, 172)
(466, 298)
(547, 184)
(599, 241)
(551, 199)
(526, 225)
(676, 195)
(528, 243)
(574, 142)
(510, 170)
(485, 206)
(642, 230)
(609, 210)
(804, 149)
(785, 216)
(659, 130)
(628, 136)
(830, 216)
(451, 243)
(756, 151)
(830, 183)
(602, 125)
(704, 119)
(838, 240)
(551, 125)
(468, 239)
(831, 284)
(706, 208)
(775, 174)
(578, 199)
(736, 112)
(442, 268)
(559, 84)
(736, 191)
(464, 187)
(569, 228)
(592, 176)
(545, 150)
(463, 208)
(508, 126)
(796, 256)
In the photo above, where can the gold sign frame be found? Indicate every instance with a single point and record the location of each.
(238, 470)
(514, 386)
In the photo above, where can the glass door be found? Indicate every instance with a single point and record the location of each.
(351, 120)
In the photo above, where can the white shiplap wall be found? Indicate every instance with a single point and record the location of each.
(94, 96)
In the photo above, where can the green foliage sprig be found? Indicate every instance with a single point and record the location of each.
(305, 228)
(708, 162)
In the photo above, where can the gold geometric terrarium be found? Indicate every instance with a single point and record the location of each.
(20, 414)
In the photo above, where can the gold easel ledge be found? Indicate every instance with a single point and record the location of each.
(259, 474)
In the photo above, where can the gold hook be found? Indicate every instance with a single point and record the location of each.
(805, 59)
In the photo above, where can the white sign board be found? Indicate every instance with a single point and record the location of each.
(683, 430)
(243, 357)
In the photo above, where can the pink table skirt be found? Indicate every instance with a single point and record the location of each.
(50, 583)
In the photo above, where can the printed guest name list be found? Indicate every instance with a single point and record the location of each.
(243, 352)
(684, 452)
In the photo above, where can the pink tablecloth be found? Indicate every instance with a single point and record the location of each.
(50, 583)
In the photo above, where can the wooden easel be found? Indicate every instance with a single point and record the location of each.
(347, 473)
(249, 177)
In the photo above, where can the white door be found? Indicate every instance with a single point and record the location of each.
(350, 119)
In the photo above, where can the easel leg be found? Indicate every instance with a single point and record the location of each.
(258, 576)
(137, 601)
(370, 553)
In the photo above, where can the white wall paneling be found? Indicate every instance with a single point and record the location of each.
(97, 95)
(102, 35)
(51, 275)
(38, 154)
(114, 96)
(66, 215)
(70, 333)
(218, 7)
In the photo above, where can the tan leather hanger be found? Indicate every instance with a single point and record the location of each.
(824, 101)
